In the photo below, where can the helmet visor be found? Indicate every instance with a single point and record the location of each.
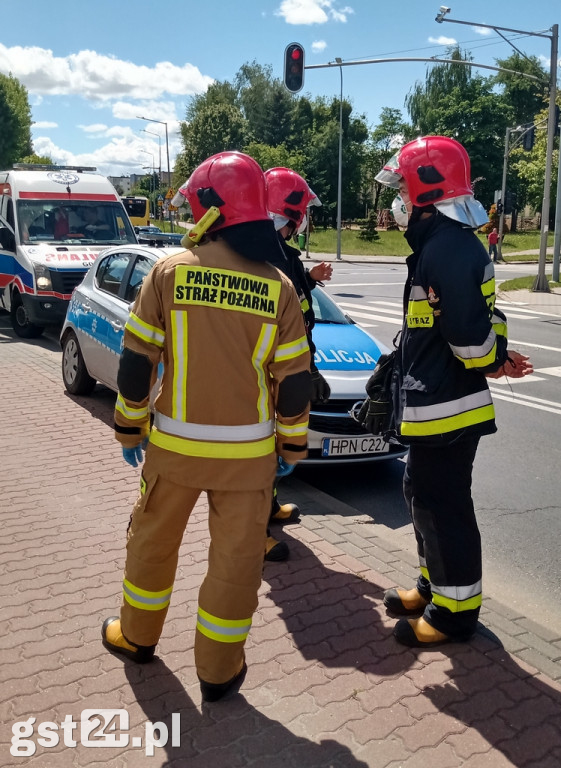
(390, 175)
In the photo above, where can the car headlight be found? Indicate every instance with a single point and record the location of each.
(43, 277)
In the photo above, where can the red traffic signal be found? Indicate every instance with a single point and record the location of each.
(294, 67)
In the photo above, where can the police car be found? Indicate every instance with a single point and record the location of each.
(92, 340)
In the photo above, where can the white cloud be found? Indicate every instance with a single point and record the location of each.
(442, 40)
(97, 77)
(318, 46)
(44, 124)
(312, 11)
(98, 128)
(483, 31)
(120, 156)
(157, 110)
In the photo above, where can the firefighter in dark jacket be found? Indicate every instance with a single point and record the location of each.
(288, 200)
(453, 339)
(231, 412)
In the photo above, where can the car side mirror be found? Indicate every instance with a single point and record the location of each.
(136, 230)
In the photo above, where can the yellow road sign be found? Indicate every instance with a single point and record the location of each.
(170, 193)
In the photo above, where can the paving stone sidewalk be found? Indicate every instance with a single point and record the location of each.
(327, 687)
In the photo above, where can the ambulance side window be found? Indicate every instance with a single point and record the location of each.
(10, 213)
(7, 239)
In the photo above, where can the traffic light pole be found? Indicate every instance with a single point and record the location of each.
(503, 195)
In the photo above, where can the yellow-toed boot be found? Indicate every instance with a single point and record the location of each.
(405, 602)
(285, 513)
(114, 640)
(417, 633)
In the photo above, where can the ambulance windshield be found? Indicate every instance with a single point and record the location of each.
(81, 222)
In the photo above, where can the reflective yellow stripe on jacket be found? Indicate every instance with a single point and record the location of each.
(144, 331)
(260, 354)
(449, 416)
(222, 630)
(419, 312)
(292, 349)
(128, 412)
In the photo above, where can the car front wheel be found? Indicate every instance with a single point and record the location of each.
(21, 323)
(75, 375)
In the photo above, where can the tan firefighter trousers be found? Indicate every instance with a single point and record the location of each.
(228, 594)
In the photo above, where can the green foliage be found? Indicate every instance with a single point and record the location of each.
(15, 122)
(37, 159)
(255, 114)
(368, 231)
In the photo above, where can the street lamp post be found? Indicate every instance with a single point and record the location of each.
(144, 130)
(340, 163)
(540, 283)
(161, 122)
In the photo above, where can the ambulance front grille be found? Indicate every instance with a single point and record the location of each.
(66, 280)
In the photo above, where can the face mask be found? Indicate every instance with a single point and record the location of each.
(400, 212)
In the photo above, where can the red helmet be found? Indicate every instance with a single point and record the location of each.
(435, 168)
(288, 194)
(231, 181)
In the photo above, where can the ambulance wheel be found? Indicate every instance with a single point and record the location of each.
(75, 375)
(21, 323)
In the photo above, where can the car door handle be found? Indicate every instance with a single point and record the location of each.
(86, 306)
(117, 325)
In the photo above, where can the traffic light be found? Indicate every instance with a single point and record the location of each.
(294, 67)
(511, 201)
(499, 207)
(529, 137)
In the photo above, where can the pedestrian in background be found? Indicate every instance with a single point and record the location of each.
(493, 239)
(232, 410)
(453, 338)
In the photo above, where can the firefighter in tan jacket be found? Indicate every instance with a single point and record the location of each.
(231, 413)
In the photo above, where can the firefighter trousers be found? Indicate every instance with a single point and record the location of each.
(437, 490)
(228, 593)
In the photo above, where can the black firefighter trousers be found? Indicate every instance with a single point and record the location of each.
(437, 490)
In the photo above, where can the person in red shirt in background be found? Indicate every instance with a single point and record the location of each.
(493, 239)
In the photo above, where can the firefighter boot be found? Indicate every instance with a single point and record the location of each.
(114, 640)
(284, 513)
(417, 633)
(217, 691)
(405, 602)
(275, 551)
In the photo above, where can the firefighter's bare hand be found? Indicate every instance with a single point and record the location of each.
(321, 272)
(516, 367)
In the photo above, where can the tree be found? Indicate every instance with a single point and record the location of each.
(37, 159)
(276, 157)
(454, 102)
(15, 121)
(216, 127)
(265, 103)
(384, 141)
(368, 231)
(525, 97)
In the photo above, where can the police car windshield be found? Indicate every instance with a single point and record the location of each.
(326, 310)
(76, 222)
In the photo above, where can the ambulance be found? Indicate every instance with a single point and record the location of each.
(54, 222)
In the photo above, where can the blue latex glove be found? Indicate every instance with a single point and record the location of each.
(284, 468)
(134, 456)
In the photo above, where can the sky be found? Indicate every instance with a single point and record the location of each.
(92, 69)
